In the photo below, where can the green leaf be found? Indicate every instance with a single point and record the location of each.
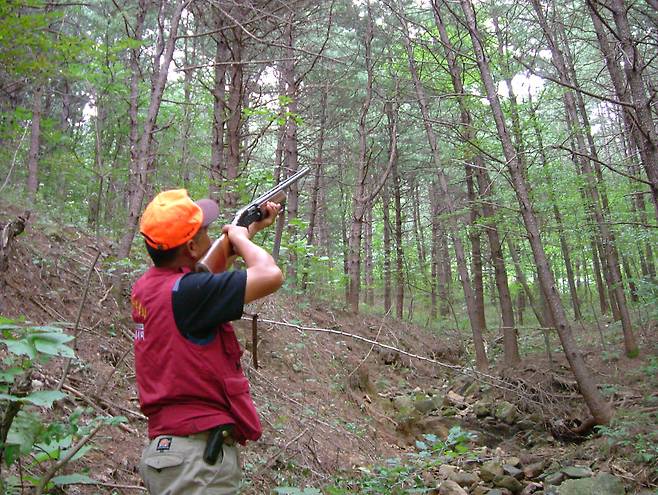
(12, 452)
(24, 429)
(74, 479)
(115, 420)
(53, 347)
(44, 398)
(8, 375)
(20, 347)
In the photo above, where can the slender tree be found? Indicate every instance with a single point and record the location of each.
(599, 408)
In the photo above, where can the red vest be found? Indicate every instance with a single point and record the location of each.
(186, 388)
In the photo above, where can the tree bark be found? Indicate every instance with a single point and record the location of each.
(387, 250)
(368, 271)
(290, 151)
(219, 116)
(35, 145)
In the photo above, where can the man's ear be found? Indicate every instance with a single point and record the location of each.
(191, 249)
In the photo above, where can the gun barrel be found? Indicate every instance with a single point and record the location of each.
(269, 195)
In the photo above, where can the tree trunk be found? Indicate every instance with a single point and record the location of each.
(186, 127)
(229, 198)
(564, 245)
(359, 197)
(445, 274)
(278, 173)
(474, 317)
(606, 235)
(399, 248)
(315, 190)
(369, 279)
(527, 290)
(485, 186)
(387, 250)
(219, 115)
(35, 145)
(143, 157)
(599, 408)
(633, 67)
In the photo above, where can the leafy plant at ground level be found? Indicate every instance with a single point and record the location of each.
(626, 433)
(399, 475)
(26, 434)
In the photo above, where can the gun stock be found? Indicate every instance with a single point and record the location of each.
(219, 255)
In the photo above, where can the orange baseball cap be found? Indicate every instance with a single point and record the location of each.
(172, 218)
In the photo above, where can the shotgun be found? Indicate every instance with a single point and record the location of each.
(216, 259)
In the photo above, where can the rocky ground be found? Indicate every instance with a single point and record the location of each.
(335, 403)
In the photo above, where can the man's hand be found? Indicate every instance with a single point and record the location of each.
(270, 212)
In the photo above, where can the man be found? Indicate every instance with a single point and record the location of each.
(187, 358)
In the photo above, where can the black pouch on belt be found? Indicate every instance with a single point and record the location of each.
(214, 443)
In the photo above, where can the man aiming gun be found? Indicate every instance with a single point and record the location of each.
(187, 358)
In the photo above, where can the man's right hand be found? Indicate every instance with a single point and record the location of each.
(270, 211)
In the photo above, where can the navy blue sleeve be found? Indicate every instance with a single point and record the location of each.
(201, 301)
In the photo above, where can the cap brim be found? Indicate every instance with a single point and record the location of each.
(210, 211)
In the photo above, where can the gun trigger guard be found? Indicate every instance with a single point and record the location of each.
(253, 214)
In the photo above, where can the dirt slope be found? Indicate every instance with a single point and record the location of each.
(329, 402)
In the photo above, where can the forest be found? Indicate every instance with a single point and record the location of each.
(480, 222)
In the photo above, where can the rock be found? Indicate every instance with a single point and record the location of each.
(448, 411)
(509, 482)
(551, 490)
(505, 412)
(454, 399)
(531, 471)
(482, 408)
(450, 487)
(499, 491)
(390, 357)
(531, 488)
(554, 478)
(513, 461)
(489, 470)
(464, 478)
(603, 483)
(512, 471)
(435, 425)
(525, 424)
(577, 472)
(472, 390)
(529, 458)
(480, 490)
(403, 403)
(425, 406)
(446, 470)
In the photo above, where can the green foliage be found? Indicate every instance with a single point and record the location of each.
(30, 435)
(635, 434)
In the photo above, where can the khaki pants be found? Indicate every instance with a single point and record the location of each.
(173, 465)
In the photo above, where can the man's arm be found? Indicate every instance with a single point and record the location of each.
(263, 275)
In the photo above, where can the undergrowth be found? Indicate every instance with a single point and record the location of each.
(397, 476)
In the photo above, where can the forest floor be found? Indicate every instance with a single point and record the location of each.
(335, 405)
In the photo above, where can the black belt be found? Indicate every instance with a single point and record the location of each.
(217, 437)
